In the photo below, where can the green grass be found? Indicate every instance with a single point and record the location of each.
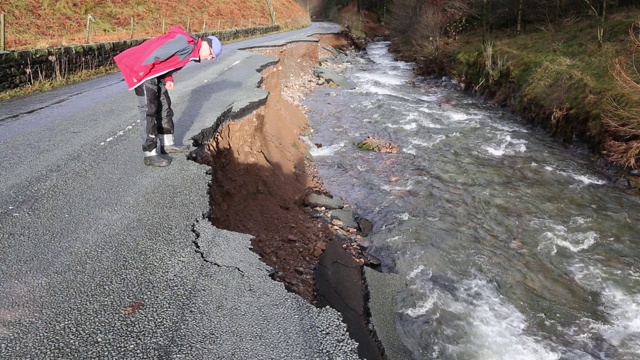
(44, 85)
(560, 74)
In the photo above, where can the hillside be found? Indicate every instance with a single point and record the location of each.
(46, 23)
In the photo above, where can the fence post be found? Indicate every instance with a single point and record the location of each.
(89, 20)
(132, 27)
(204, 25)
(163, 25)
(2, 48)
(188, 23)
(219, 21)
(272, 11)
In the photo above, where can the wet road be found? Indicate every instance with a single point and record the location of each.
(102, 257)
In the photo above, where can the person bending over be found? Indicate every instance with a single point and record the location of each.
(148, 69)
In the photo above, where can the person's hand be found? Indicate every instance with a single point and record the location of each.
(169, 85)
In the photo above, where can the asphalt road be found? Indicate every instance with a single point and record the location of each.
(102, 257)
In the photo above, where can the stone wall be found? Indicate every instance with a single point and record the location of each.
(24, 67)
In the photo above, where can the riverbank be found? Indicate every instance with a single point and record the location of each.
(555, 76)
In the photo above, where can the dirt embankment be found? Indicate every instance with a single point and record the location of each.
(261, 177)
(261, 173)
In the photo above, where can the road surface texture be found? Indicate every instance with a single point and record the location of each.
(103, 257)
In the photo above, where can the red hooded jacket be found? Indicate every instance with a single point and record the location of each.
(157, 56)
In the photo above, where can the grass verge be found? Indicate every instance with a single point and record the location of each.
(44, 85)
(556, 75)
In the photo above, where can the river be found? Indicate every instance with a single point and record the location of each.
(508, 244)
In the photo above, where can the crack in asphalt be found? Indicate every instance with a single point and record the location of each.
(199, 251)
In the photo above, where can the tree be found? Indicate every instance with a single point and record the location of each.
(427, 19)
(599, 9)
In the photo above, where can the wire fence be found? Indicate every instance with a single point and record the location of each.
(91, 30)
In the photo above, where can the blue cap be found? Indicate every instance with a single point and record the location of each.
(215, 44)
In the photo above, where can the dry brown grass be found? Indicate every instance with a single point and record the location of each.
(622, 118)
(46, 23)
(625, 154)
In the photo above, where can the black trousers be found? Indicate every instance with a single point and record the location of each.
(156, 115)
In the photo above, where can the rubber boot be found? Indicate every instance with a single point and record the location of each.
(152, 158)
(168, 146)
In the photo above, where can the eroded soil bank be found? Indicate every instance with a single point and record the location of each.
(260, 173)
(261, 176)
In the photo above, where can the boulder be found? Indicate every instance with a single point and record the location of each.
(374, 144)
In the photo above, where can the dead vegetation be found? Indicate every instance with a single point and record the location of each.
(46, 23)
(622, 119)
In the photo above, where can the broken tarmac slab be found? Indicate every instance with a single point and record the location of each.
(340, 284)
(383, 289)
(248, 304)
(333, 77)
(318, 200)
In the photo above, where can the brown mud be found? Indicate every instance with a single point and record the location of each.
(262, 174)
